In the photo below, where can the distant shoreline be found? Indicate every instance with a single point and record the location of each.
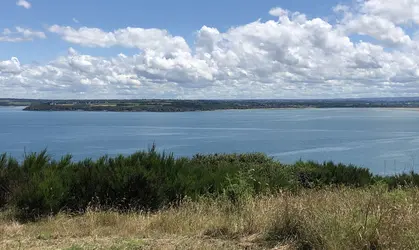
(157, 105)
(25, 108)
(209, 110)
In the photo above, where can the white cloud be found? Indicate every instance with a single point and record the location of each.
(399, 12)
(378, 28)
(23, 3)
(20, 35)
(75, 20)
(341, 8)
(10, 66)
(28, 33)
(7, 32)
(291, 57)
(278, 12)
(154, 39)
(72, 52)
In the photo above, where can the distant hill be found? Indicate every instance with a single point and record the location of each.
(173, 105)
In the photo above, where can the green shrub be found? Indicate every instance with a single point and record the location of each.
(402, 180)
(10, 177)
(150, 180)
(311, 174)
(240, 187)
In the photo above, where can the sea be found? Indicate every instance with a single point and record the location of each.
(384, 140)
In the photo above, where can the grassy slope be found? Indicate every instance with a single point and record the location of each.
(367, 218)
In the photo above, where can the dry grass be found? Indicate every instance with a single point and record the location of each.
(323, 219)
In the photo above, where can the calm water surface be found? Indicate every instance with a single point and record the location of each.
(383, 140)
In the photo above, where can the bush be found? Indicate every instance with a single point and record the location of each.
(402, 180)
(149, 180)
(311, 174)
(10, 175)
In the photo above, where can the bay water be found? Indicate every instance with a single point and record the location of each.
(383, 140)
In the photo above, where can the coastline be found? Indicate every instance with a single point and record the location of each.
(210, 110)
(174, 105)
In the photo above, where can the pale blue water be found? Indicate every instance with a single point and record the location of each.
(383, 140)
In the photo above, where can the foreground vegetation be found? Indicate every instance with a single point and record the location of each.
(154, 200)
(329, 218)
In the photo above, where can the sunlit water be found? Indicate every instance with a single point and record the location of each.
(385, 141)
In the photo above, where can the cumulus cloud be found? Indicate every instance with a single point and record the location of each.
(399, 12)
(155, 39)
(23, 3)
(379, 19)
(278, 11)
(292, 56)
(10, 66)
(20, 35)
(378, 28)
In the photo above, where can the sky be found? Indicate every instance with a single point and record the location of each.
(209, 49)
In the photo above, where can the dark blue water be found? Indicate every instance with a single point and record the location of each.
(383, 140)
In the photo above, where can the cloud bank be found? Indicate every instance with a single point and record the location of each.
(289, 56)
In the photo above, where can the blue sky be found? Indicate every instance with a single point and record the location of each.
(181, 18)
(212, 49)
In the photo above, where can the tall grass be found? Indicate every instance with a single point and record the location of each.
(327, 218)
